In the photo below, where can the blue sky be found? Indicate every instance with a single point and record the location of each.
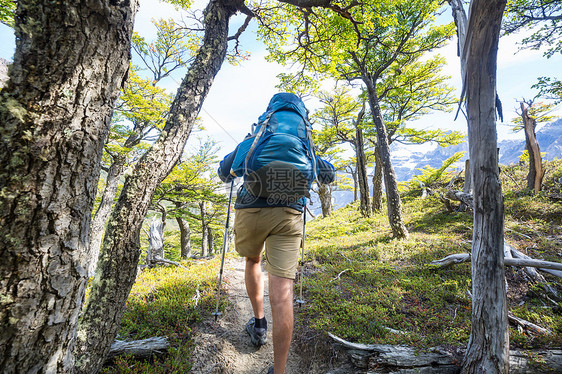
(241, 93)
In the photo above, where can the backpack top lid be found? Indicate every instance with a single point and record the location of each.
(284, 100)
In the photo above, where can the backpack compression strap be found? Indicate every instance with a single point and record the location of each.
(255, 143)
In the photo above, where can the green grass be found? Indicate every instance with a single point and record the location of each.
(362, 283)
(167, 301)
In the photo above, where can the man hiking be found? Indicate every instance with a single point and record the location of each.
(278, 164)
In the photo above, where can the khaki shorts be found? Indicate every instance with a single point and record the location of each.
(280, 228)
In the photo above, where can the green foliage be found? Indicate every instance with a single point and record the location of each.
(544, 18)
(7, 9)
(346, 44)
(410, 91)
(189, 183)
(192, 192)
(337, 117)
(173, 48)
(539, 111)
(430, 176)
(525, 156)
(549, 88)
(185, 4)
(167, 301)
(143, 102)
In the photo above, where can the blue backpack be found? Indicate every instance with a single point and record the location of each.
(277, 159)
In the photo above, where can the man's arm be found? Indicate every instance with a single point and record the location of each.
(326, 171)
(225, 166)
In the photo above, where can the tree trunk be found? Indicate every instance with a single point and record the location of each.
(203, 210)
(185, 237)
(355, 184)
(210, 240)
(155, 241)
(467, 188)
(121, 250)
(70, 59)
(325, 196)
(110, 192)
(488, 347)
(377, 183)
(365, 203)
(536, 170)
(103, 211)
(393, 201)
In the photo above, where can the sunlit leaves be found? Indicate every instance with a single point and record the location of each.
(541, 112)
(7, 9)
(351, 40)
(173, 48)
(411, 91)
(430, 175)
(191, 182)
(143, 102)
(185, 4)
(416, 136)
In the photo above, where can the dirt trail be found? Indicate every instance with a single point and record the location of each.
(226, 347)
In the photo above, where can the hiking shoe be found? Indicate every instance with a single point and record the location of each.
(270, 371)
(257, 335)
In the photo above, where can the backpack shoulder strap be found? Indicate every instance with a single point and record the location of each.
(312, 151)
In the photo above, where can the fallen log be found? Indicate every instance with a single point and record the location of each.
(140, 349)
(405, 360)
(531, 327)
(464, 198)
(522, 260)
(542, 265)
(532, 272)
(452, 260)
(550, 270)
(160, 260)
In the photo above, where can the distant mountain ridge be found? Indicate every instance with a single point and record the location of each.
(549, 138)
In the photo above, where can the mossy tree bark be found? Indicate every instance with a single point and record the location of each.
(325, 196)
(114, 174)
(120, 251)
(488, 348)
(393, 201)
(55, 110)
(185, 237)
(361, 162)
(377, 184)
(210, 240)
(104, 209)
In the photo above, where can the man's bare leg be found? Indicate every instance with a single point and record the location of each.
(281, 300)
(253, 277)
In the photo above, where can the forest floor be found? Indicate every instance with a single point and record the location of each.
(225, 347)
(360, 285)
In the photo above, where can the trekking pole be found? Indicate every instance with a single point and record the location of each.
(217, 314)
(300, 300)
